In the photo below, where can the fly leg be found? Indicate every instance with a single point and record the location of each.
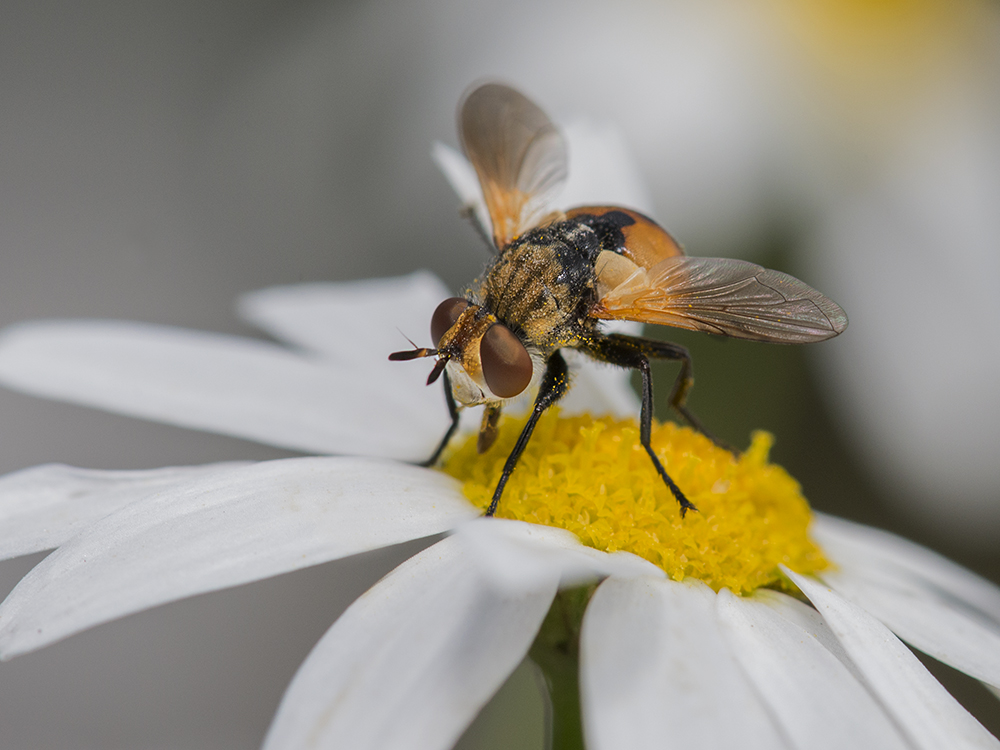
(554, 385)
(453, 413)
(682, 385)
(633, 352)
(469, 212)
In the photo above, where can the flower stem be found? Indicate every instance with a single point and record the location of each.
(556, 652)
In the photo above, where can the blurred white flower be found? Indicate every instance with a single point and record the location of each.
(411, 662)
(898, 103)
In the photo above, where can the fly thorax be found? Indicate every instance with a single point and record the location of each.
(540, 284)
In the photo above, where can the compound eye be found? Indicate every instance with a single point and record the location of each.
(506, 365)
(445, 316)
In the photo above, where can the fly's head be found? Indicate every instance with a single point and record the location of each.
(485, 360)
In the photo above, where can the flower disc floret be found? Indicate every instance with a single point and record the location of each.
(592, 476)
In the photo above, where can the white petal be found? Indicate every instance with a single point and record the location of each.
(350, 322)
(223, 530)
(935, 605)
(250, 389)
(603, 170)
(927, 619)
(656, 671)
(809, 620)
(855, 545)
(514, 554)
(817, 701)
(410, 663)
(42, 507)
(922, 708)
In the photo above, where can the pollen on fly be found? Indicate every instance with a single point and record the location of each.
(557, 275)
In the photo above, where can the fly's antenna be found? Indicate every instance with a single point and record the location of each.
(417, 352)
(412, 342)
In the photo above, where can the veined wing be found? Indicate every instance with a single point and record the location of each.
(722, 296)
(518, 153)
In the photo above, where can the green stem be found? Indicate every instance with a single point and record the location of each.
(556, 651)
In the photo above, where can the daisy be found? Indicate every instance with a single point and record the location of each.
(411, 662)
(745, 112)
(695, 631)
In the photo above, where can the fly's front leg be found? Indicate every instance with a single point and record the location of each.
(449, 398)
(626, 351)
(553, 387)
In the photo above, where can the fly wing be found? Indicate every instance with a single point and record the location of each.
(723, 296)
(518, 153)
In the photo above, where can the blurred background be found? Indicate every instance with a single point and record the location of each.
(158, 159)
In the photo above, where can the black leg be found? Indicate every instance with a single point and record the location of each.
(553, 387)
(453, 413)
(658, 350)
(627, 351)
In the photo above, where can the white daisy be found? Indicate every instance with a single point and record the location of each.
(412, 661)
(875, 119)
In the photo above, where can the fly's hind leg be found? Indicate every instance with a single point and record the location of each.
(553, 387)
(682, 385)
(634, 352)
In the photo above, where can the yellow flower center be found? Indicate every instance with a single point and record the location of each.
(592, 476)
